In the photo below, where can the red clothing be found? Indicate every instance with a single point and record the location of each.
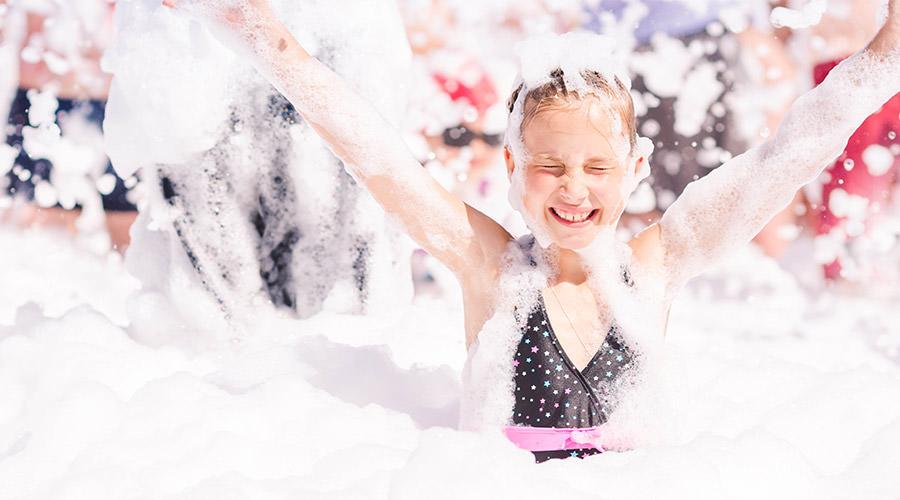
(880, 128)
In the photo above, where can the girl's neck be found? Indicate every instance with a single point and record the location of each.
(570, 267)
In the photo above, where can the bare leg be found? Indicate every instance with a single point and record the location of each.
(118, 224)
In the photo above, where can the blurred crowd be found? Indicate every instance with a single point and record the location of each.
(53, 93)
(710, 79)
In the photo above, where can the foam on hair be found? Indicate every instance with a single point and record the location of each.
(554, 70)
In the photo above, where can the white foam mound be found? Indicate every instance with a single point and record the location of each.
(770, 396)
(172, 89)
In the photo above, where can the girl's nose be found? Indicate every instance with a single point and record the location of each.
(574, 189)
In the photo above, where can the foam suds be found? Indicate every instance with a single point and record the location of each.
(764, 389)
(516, 145)
(488, 375)
(115, 390)
(262, 209)
(809, 15)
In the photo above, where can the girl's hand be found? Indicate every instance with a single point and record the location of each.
(894, 14)
(892, 23)
(887, 41)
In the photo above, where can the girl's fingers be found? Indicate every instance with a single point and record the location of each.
(169, 3)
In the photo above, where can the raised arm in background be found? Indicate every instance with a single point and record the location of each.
(728, 207)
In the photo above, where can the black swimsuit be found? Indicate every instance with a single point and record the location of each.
(551, 392)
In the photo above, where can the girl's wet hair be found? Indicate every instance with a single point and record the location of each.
(555, 94)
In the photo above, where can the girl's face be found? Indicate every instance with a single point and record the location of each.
(578, 171)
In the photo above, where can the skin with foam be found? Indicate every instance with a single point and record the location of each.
(573, 173)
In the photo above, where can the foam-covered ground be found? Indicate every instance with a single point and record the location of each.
(769, 394)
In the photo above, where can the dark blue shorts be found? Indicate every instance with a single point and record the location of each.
(22, 186)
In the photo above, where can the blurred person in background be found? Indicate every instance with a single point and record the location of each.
(766, 86)
(459, 122)
(840, 208)
(854, 193)
(55, 171)
(710, 80)
(683, 68)
(469, 143)
(490, 29)
(456, 116)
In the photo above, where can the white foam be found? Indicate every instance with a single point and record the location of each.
(805, 17)
(701, 89)
(488, 395)
(572, 53)
(8, 156)
(42, 107)
(753, 375)
(333, 407)
(642, 201)
(878, 159)
(187, 106)
(843, 204)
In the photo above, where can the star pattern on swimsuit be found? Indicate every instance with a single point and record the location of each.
(560, 395)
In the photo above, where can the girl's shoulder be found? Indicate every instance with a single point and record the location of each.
(647, 249)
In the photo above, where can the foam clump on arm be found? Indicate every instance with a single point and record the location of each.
(728, 207)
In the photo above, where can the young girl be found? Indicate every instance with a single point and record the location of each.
(552, 320)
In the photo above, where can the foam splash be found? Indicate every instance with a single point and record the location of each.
(572, 53)
(805, 17)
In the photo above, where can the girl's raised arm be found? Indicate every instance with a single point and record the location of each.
(370, 148)
(728, 207)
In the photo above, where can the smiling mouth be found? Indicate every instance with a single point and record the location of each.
(570, 219)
